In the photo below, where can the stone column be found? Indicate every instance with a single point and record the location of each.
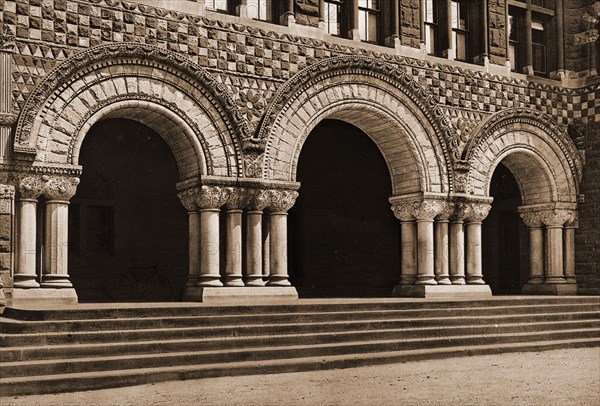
(457, 245)
(554, 221)
(408, 229)
(188, 199)
(289, 15)
(569, 251)
(257, 202)
(236, 200)
(7, 118)
(528, 68)
(58, 192)
(425, 212)
(560, 39)
(209, 201)
(484, 27)
(280, 201)
(395, 23)
(477, 212)
(29, 190)
(442, 244)
(536, 246)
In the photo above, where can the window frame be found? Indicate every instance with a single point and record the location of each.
(433, 25)
(458, 31)
(367, 11)
(340, 4)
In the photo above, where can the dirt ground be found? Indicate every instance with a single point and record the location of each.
(562, 377)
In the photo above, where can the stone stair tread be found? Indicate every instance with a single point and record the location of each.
(375, 357)
(280, 335)
(4, 319)
(82, 360)
(91, 322)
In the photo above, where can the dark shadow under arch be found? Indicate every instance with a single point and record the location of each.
(345, 238)
(128, 231)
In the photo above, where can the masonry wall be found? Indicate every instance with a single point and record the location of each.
(587, 241)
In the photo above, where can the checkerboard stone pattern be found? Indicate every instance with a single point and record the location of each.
(50, 31)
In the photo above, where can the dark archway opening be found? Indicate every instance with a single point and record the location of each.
(345, 239)
(128, 238)
(504, 236)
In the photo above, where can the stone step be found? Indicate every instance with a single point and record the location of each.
(162, 310)
(78, 365)
(266, 337)
(66, 382)
(130, 333)
(9, 325)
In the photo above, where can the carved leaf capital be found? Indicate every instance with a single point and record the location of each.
(61, 187)
(280, 201)
(237, 198)
(211, 197)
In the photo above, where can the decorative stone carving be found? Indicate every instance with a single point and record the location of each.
(188, 199)
(7, 43)
(60, 187)
(211, 197)
(446, 212)
(237, 198)
(7, 196)
(403, 211)
(461, 211)
(258, 200)
(577, 132)
(32, 187)
(428, 209)
(477, 212)
(280, 201)
(532, 218)
(556, 217)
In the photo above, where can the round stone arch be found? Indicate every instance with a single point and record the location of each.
(398, 114)
(165, 91)
(534, 148)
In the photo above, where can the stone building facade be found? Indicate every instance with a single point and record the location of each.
(475, 108)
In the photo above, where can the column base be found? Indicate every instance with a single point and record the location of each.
(556, 289)
(255, 281)
(45, 297)
(443, 291)
(56, 281)
(443, 280)
(25, 281)
(234, 280)
(281, 281)
(240, 295)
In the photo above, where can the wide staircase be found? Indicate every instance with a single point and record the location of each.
(91, 347)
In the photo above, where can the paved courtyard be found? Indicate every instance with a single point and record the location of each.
(561, 377)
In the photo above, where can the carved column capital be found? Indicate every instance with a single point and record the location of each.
(280, 201)
(532, 219)
(32, 186)
(460, 212)
(237, 198)
(557, 217)
(258, 200)
(447, 210)
(477, 212)
(188, 199)
(211, 197)
(428, 209)
(60, 187)
(403, 211)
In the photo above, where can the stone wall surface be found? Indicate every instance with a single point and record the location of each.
(581, 33)
(587, 241)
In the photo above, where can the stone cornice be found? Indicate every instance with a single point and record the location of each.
(248, 183)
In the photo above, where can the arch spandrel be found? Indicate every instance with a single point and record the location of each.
(535, 149)
(401, 117)
(184, 103)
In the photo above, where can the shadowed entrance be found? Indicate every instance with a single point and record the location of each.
(504, 237)
(346, 239)
(128, 230)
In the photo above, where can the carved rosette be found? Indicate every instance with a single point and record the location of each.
(61, 187)
(237, 198)
(211, 197)
(557, 217)
(428, 209)
(280, 201)
(403, 211)
(258, 200)
(32, 187)
(477, 212)
(188, 199)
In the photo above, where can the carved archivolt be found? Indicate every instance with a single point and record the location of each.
(190, 79)
(525, 130)
(317, 74)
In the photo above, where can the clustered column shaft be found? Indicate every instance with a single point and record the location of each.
(440, 240)
(552, 244)
(205, 203)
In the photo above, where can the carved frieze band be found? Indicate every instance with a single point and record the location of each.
(550, 217)
(235, 198)
(431, 209)
(52, 187)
